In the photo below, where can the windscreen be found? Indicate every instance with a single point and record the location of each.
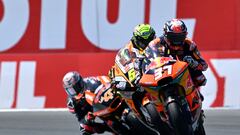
(153, 51)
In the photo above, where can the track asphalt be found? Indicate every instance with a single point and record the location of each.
(218, 122)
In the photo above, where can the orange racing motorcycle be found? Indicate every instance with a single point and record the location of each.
(171, 89)
(124, 73)
(109, 106)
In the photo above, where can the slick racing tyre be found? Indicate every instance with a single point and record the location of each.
(156, 120)
(178, 120)
(200, 129)
(138, 126)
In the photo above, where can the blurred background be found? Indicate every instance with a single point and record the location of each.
(41, 40)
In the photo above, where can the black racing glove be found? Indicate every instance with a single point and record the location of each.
(192, 63)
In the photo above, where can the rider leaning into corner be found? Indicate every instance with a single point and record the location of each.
(75, 86)
(174, 42)
(143, 34)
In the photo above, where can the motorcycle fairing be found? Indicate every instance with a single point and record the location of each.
(104, 102)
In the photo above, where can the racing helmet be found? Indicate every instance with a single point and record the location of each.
(142, 35)
(175, 31)
(73, 83)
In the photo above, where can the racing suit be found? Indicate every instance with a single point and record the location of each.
(187, 52)
(126, 55)
(83, 110)
(135, 56)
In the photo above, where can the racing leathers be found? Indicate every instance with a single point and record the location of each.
(83, 110)
(187, 52)
(126, 55)
(130, 59)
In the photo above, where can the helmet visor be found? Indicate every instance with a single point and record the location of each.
(143, 43)
(176, 38)
(78, 87)
(71, 91)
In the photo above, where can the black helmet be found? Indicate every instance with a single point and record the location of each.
(142, 35)
(175, 31)
(73, 83)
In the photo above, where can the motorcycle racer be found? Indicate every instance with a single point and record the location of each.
(129, 60)
(142, 35)
(75, 86)
(132, 52)
(174, 42)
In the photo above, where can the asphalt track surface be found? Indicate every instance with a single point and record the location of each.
(218, 122)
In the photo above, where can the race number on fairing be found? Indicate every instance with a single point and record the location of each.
(159, 72)
(108, 95)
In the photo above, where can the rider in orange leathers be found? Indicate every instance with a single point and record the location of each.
(174, 43)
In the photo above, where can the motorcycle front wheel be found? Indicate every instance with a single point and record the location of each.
(156, 120)
(138, 126)
(200, 129)
(178, 120)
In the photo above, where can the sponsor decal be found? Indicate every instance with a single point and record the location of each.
(35, 81)
(31, 79)
(79, 25)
